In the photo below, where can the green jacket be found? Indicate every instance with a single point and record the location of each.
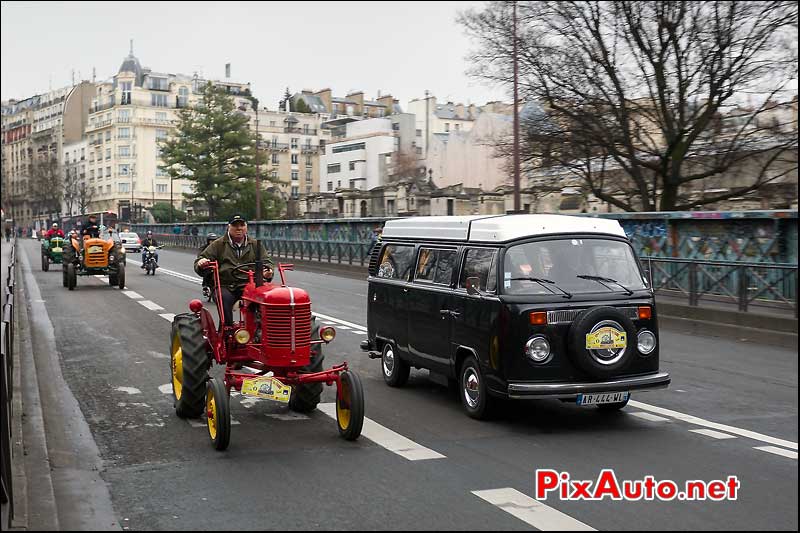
(222, 251)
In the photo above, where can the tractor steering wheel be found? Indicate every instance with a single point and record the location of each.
(240, 273)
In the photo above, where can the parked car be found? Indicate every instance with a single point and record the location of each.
(514, 307)
(130, 241)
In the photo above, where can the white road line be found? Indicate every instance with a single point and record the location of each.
(394, 442)
(713, 425)
(777, 451)
(650, 417)
(129, 390)
(533, 512)
(344, 327)
(168, 316)
(166, 388)
(150, 305)
(713, 434)
(289, 416)
(336, 320)
(198, 424)
(101, 276)
(132, 294)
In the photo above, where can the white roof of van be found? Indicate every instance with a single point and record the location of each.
(499, 228)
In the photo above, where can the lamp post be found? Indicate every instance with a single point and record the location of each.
(258, 171)
(516, 120)
(171, 205)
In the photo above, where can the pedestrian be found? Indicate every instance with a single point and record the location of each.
(195, 231)
(176, 230)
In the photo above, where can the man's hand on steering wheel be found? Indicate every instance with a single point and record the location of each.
(240, 271)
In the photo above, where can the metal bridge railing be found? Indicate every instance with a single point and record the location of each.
(7, 389)
(742, 283)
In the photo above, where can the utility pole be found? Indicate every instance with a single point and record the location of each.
(427, 124)
(258, 171)
(516, 120)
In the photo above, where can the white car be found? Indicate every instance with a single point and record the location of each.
(130, 241)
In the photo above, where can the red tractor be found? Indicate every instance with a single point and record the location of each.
(274, 351)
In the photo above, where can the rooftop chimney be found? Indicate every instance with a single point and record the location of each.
(227, 70)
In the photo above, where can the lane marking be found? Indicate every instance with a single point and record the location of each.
(650, 417)
(193, 279)
(326, 317)
(168, 316)
(129, 390)
(197, 424)
(150, 305)
(166, 388)
(777, 451)
(713, 425)
(394, 442)
(532, 512)
(132, 294)
(713, 434)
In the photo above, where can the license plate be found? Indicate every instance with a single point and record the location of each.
(597, 398)
(606, 338)
(267, 387)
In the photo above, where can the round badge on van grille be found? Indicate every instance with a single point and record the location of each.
(612, 339)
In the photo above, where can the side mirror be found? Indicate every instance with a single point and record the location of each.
(473, 286)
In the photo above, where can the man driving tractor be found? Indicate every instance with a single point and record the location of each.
(234, 249)
(54, 231)
(147, 242)
(91, 228)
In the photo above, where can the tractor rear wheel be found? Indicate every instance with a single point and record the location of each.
(349, 405)
(188, 365)
(306, 396)
(121, 276)
(72, 277)
(218, 413)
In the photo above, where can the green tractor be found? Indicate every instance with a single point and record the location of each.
(52, 251)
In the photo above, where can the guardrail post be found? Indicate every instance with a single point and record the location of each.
(693, 299)
(743, 297)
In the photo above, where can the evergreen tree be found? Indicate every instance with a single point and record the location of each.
(214, 148)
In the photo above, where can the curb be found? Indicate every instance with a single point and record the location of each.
(704, 328)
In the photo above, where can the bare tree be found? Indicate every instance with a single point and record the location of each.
(642, 100)
(405, 165)
(84, 197)
(45, 186)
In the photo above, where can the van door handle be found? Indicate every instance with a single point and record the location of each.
(455, 314)
(444, 312)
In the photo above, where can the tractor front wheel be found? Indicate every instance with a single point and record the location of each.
(121, 276)
(349, 405)
(218, 414)
(306, 396)
(188, 365)
(45, 263)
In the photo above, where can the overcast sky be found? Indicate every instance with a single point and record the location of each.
(402, 48)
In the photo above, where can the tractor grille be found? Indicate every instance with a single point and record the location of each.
(288, 326)
(96, 260)
(566, 316)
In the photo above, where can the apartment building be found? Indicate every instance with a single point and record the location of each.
(130, 115)
(292, 144)
(434, 118)
(352, 105)
(34, 133)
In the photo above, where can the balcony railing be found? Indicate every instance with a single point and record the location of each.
(102, 107)
(302, 131)
(98, 125)
(308, 149)
(274, 147)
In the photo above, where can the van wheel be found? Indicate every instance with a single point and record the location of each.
(472, 390)
(395, 370)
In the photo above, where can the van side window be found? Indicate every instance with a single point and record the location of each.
(435, 265)
(396, 262)
(479, 263)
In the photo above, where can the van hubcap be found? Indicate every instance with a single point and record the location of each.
(388, 362)
(471, 387)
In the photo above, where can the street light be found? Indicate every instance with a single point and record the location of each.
(258, 171)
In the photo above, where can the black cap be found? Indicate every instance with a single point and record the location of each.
(237, 218)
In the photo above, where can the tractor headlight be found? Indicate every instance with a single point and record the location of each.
(111, 258)
(327, 333)
(122, 251)
(646, 342)
(242, 336)
(537, 349)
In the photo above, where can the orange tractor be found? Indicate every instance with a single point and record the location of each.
(274, 352)
(88, 256)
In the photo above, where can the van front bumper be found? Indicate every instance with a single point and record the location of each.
(660, 380)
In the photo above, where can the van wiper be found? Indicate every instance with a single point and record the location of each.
(544, 283)
(603, 282)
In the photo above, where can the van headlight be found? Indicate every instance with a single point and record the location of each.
(537, 349)
(646, 342)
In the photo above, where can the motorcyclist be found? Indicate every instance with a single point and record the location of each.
(91, 228)
(230, 251)
(208, 282)
(146, 243)
(54, 231)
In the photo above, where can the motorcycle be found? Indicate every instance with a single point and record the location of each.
(150, 265)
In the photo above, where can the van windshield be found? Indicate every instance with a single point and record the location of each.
(573, 265)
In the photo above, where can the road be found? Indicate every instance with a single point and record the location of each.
(731, 411)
